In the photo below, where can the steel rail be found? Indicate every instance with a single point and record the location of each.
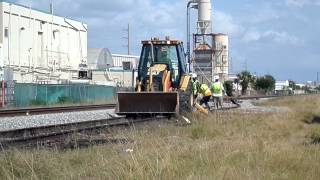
(35, 134)
(48, 110)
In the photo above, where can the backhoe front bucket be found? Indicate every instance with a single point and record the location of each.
(140, 103)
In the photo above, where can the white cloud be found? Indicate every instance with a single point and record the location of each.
(107, 19)
(225, 23)
(252, 21)
(251, 36)
(301, 3)
(270, 35)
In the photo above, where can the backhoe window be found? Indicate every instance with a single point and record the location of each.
(168, 55)
(163, 54)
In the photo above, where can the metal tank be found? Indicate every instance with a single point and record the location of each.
(221, 60)
(204, 12)
(204, 16)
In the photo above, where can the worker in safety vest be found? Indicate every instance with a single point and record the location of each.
(195, 85)
(217, 92)
(206, 93)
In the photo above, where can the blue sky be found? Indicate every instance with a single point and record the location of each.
(277, 37)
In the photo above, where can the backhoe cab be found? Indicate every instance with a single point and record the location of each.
(162, 81)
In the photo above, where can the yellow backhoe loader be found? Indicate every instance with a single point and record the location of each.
(163, 84)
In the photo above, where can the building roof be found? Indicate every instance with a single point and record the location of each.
(71, 21)
(127, 56)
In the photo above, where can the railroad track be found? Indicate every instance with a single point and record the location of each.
(36, 134)
(262, 97)
(48, 110)
(16, 137)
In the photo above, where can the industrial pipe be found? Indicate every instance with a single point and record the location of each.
(188, 32)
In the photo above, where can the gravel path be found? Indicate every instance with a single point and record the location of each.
(11, 123)
(247, 105)
(20, 122)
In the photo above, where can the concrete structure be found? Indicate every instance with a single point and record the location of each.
(113, 77)
(111, 69)
(282, 85)
(301, 85)
(283, 88)
(36, 46)
(102, 59)
(299, 91)
(99, 59)
(128, 62)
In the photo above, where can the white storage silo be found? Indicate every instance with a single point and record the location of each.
(221, 46)
(204, 16)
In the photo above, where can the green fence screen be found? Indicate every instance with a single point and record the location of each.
(44, 94)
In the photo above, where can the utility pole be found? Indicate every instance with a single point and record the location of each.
(128, 37)
(51, 7)
(245, 65)
(317, 77)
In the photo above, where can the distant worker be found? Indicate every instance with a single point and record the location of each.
(195, 86)
(206, 95)
(217, 92)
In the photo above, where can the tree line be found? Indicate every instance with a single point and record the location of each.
(264, 83)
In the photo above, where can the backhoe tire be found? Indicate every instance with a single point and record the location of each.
(186, 100)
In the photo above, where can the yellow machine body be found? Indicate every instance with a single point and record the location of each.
(162, 80)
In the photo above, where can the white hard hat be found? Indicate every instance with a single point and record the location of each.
(194, 75)
(216, 78)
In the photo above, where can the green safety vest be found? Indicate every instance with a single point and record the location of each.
(195, 87)
(217, 88)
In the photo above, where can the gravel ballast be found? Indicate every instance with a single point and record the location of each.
(248, 106)
(21, 122)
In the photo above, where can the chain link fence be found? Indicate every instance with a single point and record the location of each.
(47, 94)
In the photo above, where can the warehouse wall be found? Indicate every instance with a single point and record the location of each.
(1, 25)
(37, 45)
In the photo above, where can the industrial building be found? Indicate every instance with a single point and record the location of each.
(111, 69)
(40, 47)
(99, 59)
(210, 56)
(102, 58)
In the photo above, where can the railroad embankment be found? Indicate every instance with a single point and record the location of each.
(272, 139)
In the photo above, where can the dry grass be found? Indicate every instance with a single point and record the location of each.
(223, 146)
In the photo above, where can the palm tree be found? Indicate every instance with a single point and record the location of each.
(245, 78)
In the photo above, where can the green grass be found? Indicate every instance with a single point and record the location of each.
(222, 146)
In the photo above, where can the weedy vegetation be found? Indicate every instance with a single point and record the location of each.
(225, 145)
